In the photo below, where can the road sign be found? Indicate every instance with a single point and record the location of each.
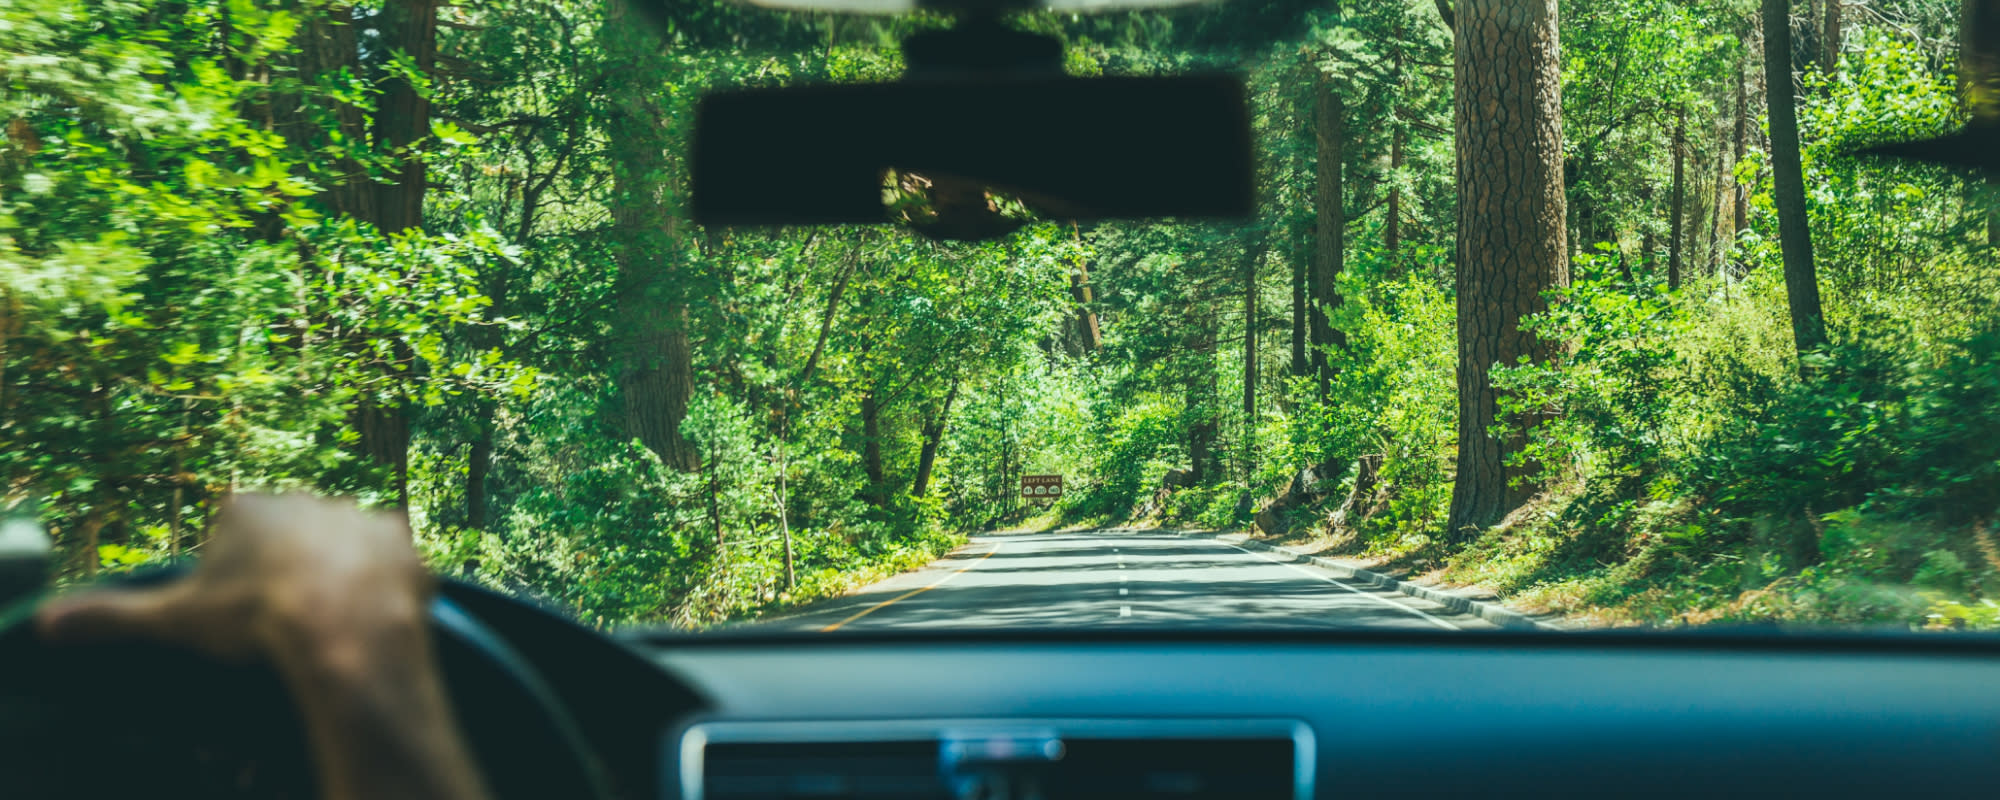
(1041, 487)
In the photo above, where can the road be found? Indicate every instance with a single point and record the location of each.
(1116, 578)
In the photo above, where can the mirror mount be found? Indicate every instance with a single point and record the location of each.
(980, 46)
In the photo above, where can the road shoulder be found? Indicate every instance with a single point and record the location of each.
(1490, 611)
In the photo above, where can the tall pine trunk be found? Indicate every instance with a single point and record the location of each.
(1718, 203)
(1329, 230)
(402, 118)
(655, 361)
(1392, 224)
(1739, 149)
(1508, 116)
(1788, 180)
(1301, 365)
(1200, 399)
(1250, 372)
(1677, 202)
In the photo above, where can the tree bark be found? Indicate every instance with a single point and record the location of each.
(1979, 90)
(871, 450)
(1738, 192)
(1508, 81)
(1830, 38)
(1079, 287)
(402, 118)
(478, 466)
(1200, 402)
(1993, 210)
(1677, 200)
(403, 114)
(93, 526)
(1201, 439)
(1300, 364)
(174, 508)
(934, 428)
(654, 359)
(1250, 371)
(1329, 230)
(784, 515)
(1392, 227)
(384, 425)
(1719, 198)
(1788, 181)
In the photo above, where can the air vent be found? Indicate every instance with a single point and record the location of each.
(1002, 760)
(1182, 769)
(906, 770)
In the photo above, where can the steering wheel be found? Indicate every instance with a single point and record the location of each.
(148, 720)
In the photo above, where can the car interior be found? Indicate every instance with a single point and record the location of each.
(554, 709)
(557, 709)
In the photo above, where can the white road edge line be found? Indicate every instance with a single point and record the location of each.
(1377, 598)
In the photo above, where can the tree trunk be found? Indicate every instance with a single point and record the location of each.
(1329, 230)
(1993, 210)
(402, 118)
(713, 467)
(654, 359)
(657, 379)
(1677, 200)
(1392, 227)
(479, 465)
(1250, 373)
(384, 426)
(933, 437)
(1508, 80)
(178, 499)
(403, 114)
(1200, 402)
(93, 525)
(1830, 38)
(1788, 181)
(1079, 287)
(871, 450)
(784, 515)
(1738, 191)
(1718, 198)
(1300, 364)
(1201, 439)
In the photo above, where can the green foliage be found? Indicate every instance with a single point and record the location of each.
(199, 293)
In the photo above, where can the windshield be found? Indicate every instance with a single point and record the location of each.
(1597, 319)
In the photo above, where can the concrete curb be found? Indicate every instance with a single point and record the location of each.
(1484, 609)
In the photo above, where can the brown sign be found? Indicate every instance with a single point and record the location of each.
(1041, 487)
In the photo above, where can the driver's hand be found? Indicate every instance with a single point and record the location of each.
(284, 576)
(335, 598)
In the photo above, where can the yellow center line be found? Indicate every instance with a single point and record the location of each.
(939, 582)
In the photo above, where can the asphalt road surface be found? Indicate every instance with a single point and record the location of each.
(1110, 578)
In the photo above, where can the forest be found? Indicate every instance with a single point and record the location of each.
(1601, 311)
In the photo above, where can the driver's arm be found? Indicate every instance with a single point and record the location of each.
(333, 597)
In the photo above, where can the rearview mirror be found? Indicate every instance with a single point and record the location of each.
(1070, 148)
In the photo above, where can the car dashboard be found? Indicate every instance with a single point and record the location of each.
(1247, 714)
